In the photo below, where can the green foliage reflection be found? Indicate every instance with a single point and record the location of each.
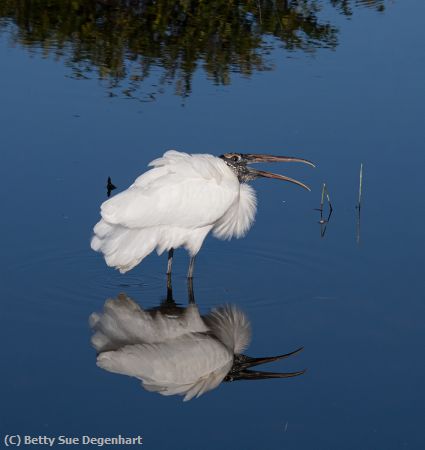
(126, 41)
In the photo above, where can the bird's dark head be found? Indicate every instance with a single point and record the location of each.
(242, 362)
(239, 163)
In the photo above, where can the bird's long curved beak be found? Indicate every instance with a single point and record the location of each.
(240, 371)
(252, 158)
(263, 173)
(260, 158)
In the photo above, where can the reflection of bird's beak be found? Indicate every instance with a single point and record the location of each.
(257, 375)
(239, 371)
(257, 158)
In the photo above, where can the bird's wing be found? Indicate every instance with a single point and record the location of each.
(124, 322)
(189, 365)
(192, 192)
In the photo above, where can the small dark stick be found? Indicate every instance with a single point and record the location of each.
(360, 185)
(323, 197)
(323, 222)
(109, 187)
(329, 201)
(359, 204)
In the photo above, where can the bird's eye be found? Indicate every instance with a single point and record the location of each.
(236, 158)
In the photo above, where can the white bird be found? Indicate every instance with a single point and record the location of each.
(178, 202)
(175, 350)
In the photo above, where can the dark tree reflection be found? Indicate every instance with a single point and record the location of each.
(125, 42)
(346, 6)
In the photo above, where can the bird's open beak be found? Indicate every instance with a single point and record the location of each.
(240, 372)
(260, 158)
(252, 158)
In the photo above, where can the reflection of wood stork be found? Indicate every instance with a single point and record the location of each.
(177, 203)
(175, 350)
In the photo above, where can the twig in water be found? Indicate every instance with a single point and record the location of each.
(323, 222)
(323, 197)
(329, 201)
(359, 204)
(360, 185)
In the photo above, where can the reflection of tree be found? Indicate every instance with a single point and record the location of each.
(124, 40)
(345, 6)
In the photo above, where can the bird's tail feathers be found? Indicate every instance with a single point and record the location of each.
(122, 322)
(122, 247)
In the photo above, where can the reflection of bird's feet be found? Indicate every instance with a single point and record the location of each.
(190, 294)
(169, 288)
(191, 266)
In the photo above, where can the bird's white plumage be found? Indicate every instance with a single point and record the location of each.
(189, 365)
(124, 322)
(174, 204)
(185, 354)
(231, 327)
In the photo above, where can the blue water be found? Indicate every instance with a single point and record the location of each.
(356, 307)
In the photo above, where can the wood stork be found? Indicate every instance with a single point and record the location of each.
(178, 202)
(175, 350)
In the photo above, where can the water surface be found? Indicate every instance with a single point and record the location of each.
(348, 90)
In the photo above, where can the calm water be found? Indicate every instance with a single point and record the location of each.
(348, 89)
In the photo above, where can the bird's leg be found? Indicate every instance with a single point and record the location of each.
(170, 260)
(169, 288)
(190, 293)
(191, 265)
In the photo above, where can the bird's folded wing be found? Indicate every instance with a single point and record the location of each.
(170, 200)
(189, 365)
